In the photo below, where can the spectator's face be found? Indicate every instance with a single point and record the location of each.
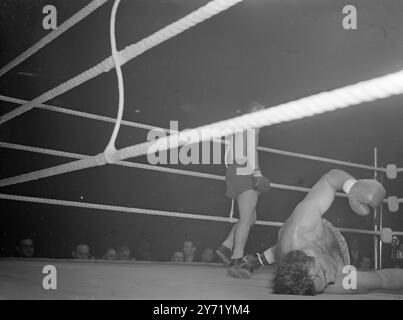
(365, 263)
(355, 244)
(207, 255)
(26, 248)
(124, 254)
(82, 252)
(188, 248)
(178, 257)
(110, 254)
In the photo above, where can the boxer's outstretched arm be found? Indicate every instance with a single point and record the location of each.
(391, 279)
(367, 281)
(319, 199)
(323, 192)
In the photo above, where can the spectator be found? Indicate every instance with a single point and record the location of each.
(124, 253)
(146, 252)
(354, 252)
(365, 262)
(189, 251)
(400, 252)
(110, 254)
(399, 257)
(25, 248)
(397, 253)
(207, 255)
(178, 256)
(82, 251)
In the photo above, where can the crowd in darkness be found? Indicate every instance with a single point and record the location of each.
(359, 257)
(25, 248)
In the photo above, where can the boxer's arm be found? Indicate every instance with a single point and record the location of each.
(367, 281)
(323, 192)
(310, 210)
(391, 279)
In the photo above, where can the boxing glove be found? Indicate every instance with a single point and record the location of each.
(260, 183)
(364, 195)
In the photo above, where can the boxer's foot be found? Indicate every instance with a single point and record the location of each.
(234, 266)
(245, 268)
(224, 254)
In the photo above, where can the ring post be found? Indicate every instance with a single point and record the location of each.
(380, 241)
(375, 222)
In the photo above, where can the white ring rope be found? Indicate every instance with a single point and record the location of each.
(109, 208)
(120, 163)
(354, 94)
(74, 19)
(321, 159)
(86, 115)
(110, 148)
(205, 12)
(151, 127)
(156, 168)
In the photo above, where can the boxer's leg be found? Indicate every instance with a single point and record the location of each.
(247, 216)
(224, 251)
(239, 187)
(229, 242)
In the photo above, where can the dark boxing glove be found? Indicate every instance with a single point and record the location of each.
(260, 183)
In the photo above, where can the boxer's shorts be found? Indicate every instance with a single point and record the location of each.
(237, 183)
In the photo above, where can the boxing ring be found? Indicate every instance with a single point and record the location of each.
(156, 280)
(88, 280)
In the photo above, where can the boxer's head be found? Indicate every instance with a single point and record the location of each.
(294, 275)
(253, 107)
(323, 271)
(305, 273)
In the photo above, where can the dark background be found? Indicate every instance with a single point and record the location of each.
(269, 51)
